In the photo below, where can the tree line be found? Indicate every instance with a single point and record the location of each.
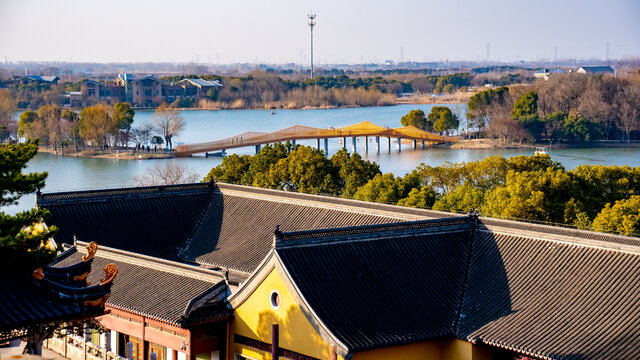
(266, 89)
(262, 89)
(535, 188)
(566, 107)
(100, 126)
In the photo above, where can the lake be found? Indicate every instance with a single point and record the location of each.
(70, 173)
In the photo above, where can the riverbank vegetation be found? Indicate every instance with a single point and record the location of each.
(98, 127)
(262, 89)
(534, 188)
(565, 108)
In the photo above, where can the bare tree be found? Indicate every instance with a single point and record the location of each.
(593, 107)
(459, 110)
(172, 174)
(168, 123)
(8, 124)
(503, 127)
(628, 105)
(560, 93)
(422, 85)
(141, 134)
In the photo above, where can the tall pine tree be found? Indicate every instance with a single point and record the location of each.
(24, 239)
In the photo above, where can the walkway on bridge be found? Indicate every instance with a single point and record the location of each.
(299, 132)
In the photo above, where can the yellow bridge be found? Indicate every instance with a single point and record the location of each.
(299, 132)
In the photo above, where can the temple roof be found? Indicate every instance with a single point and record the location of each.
(155, 221)
(541, 291)
(220, 226)
(175, 293)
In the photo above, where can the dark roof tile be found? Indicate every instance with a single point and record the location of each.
(564, 294)
(385, 290)
(237, 231)
(155, 221)
(162, 292)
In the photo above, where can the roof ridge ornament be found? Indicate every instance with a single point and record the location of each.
(92, 248)
(110, 272)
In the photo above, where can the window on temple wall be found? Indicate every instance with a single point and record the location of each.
(159, 351)
(133, 348)
(275, 300)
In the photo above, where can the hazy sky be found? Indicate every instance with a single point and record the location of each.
(276, 31)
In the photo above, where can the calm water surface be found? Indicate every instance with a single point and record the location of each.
(69, 173)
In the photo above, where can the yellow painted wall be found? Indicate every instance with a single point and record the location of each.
(255, 316)
(453, 349)
(428, 350)
(460, 349)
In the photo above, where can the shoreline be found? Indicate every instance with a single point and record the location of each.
(484, 144)
(118, 154)
(417, 100)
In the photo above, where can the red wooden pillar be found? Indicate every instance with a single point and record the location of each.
(174, 354)
(333, 353)
(275, 346)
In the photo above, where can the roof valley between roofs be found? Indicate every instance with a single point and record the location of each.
(187, 243)
(150, 262)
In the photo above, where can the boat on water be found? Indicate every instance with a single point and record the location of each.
(541, 151)
(220, 153)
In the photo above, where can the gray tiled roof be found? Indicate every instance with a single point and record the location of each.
(158, 289)
(237, 231)
(559, 295)
(154, 221)
(225, 226)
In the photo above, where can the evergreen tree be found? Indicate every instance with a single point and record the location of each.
(24, 239)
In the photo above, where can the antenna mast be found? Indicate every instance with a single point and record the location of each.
(312, 23)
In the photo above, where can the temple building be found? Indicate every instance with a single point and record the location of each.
(170, 309)
(218, 271)
(35, 305)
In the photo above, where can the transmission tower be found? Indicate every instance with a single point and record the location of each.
(312, 23)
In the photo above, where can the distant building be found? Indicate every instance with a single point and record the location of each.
(140, 91)
(73, 99)
(595, 70)
(102, 92)
(38, 79)
(545, 73)
(198, 88)
(148, 90)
